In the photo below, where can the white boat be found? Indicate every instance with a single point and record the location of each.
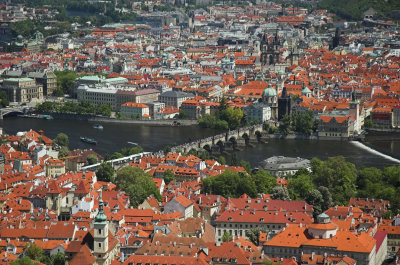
(98, 126)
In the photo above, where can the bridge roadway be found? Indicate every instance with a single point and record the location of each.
(235, 137)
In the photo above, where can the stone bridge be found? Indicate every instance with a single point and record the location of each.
(117, 163)
(240, 136)
(16, 109)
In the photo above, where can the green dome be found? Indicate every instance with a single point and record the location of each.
(100, 217)
(269, 92)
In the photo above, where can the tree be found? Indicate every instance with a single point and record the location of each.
(63, 152)
(226, 237)
(326, 198)
(182, 114)
(299, 187)
(232, 116)
(192, 152)
(264, 181)
(303, 122)
(23, 261)
(138, 184)
(338, 176)
(246, 165)
(91, 159)
(230, 184)
(315, 199)
(221, 160)
(205, 155)
(168, 176)
(284, 124)
(254, 235)
(167, 150)
(280, 193)
(61, 140)
(105, 172)
(33, 251)
(58, 259)
(117, 155)
(234, 160)
(3, 99)
(104, 110)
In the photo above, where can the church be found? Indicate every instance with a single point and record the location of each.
(98, 246)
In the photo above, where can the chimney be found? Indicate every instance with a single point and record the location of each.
(312, 255)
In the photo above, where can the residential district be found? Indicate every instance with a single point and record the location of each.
(268, 60)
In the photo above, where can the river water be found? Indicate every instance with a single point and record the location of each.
(153, 138)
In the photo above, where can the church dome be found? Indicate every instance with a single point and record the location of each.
(269, 92)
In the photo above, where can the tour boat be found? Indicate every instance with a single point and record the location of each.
(88, 140)
(98, 126)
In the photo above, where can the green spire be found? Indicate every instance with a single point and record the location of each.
(100, 217)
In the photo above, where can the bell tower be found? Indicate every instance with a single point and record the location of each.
(100, 227)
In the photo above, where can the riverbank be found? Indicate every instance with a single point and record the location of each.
(146, 122)
(99, 119)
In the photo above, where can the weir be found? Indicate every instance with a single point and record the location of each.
(373, 151)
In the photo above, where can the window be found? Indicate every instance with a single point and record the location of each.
(99, 245)
(99, 231)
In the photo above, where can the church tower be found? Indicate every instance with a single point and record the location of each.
(100, 226)
(284, 104)
(354, 112)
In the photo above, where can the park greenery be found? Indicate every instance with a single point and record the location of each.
(225, 117)
(302, 122)
(34, 254)
(330, 182)
(69, 107)
(61, 142)
(354, 9)
(72, 11)
(105, 172)
(137, 184)
(3, 100)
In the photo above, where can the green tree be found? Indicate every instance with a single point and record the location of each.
(315, 199)
(234, 160)
(246, 165)
(33, 251)
(232, 117)
(230, 184)
(326, 198)
(254, 235)
(168, 176)
(23, 261)
(61, 140)
(264, 181)
(65, 80)
(58, 259)
(299, 187)
(117, 155)
(284, 124)
(279, 193)
(138, 184)
(192, 152)
(182, 114)
(339, 177)
(63, 152)
(3, 99)
(104, 110)
(105, 172)
(303, 122)
(167, 149)
(205, 155)
(91, 159)
(226, 237)
(221, 160)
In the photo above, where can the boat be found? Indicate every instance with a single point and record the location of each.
(98, 126)
(132, 143)
(88, 140)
